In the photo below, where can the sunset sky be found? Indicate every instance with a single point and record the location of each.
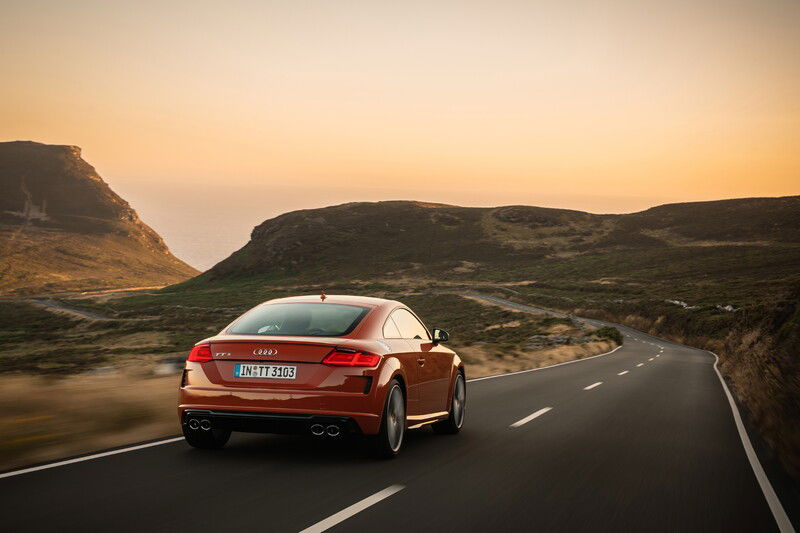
(210, 117)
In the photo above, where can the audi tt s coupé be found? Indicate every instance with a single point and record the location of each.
(326, 366)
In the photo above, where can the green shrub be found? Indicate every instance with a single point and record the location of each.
(609, 332)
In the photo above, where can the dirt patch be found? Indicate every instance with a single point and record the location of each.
(564, 329)
(486, 303)
(512, 324)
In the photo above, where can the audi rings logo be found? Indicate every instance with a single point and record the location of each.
(265, 351)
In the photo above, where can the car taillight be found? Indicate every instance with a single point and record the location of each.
(341, 357)
(200, 354)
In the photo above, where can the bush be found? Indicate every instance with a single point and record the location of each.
(609, 332)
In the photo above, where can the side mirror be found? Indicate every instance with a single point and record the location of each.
(440, 335)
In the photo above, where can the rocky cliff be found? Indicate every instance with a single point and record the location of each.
(63, 228)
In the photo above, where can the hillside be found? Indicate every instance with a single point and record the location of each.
(63, 228)
(744, 241)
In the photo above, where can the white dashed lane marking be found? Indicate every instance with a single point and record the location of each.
(530, 417)
(593, 385)
(354, 509)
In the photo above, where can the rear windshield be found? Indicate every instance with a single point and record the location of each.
(300, 319)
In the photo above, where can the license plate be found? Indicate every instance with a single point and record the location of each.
(265, 371)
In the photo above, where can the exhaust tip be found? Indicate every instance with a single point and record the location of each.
(205, 425)
(194, 424)
(317, 429)
(333, 430)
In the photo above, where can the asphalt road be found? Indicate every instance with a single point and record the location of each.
(642, 439)
(78, 313)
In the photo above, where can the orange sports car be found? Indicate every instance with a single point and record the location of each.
(323, 366)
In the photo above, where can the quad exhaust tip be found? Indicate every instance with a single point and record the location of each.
(333, 430)
(317, 429)
(194, 424)
(205, 425)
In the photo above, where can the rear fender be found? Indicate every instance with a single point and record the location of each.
(391, 369)
(458, 368)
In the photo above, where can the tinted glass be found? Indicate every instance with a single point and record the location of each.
(409, 326)
(390, 330)
(300, 319)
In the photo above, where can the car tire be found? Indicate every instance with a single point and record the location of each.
(387, 443)
(211, 439)
(458, 406)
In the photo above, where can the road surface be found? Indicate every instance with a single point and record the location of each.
(77, 313)
(642, 439)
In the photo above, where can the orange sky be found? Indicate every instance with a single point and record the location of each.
(268, 106)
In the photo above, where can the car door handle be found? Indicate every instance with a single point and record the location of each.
(421, 361)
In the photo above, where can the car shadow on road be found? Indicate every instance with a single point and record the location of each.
(321, 451)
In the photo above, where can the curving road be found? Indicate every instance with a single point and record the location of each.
(58, 306)
(642, 439)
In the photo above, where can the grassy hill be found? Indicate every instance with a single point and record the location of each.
(63, 228)
(725, 251)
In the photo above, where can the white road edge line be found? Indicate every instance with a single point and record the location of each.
(89, 457)
(544, 367)
(650, 359)
(640, 364)
(623, 373)
(354, 509)
(784, 525)
(530, 417)
(593, 385)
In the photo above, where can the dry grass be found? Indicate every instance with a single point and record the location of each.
(484, 360)
(44, 419)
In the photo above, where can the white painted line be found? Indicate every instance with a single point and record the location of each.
(623, 373)
(640, 364)
(89, 457)
(354, 509)
(658, 355)
(530, 417)
(544, 367)
(784, 525)
(593, 385)
(650, 359)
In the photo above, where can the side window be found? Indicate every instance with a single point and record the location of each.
(409, 326)
(390, 330)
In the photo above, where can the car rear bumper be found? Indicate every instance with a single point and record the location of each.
(270, 411)
(282, 423)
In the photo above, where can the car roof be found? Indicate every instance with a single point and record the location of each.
(338, 299)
